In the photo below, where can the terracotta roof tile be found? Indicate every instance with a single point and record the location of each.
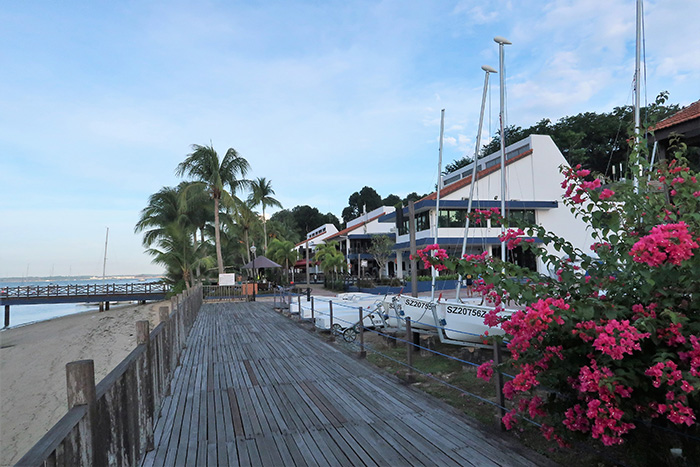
(688, 113)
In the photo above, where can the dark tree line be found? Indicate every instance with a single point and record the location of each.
(596, 141)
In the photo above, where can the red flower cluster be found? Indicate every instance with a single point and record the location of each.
(439, 254)
(602, 415)
(579, 188)
(511, 238)
(667, 243)
(532, 323)
(485, 371)
(614, 338)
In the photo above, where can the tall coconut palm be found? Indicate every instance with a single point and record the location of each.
(204, 166)
(163, 209)
(195, 206)
(261, 195)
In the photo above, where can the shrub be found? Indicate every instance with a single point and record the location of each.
(608, 348)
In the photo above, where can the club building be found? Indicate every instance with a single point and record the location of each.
(533, 193)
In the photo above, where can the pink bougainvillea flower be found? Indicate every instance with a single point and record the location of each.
(666, 243)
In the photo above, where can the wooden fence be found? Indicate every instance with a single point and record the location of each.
(111, 423)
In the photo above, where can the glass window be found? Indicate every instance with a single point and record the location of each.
(451, 218)
(521, 217)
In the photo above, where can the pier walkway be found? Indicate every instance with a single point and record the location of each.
(254, 388)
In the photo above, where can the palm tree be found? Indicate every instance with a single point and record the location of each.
(163, 209)
(248, 222)
(283, 251)
(262, 195)
(330, 258)
(195, 205)
(204, 166)
(179, 254)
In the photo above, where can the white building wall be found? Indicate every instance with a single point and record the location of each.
(535, 177)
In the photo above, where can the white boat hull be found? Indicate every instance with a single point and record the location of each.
(459, 321)
(465, 321)
(345, 310)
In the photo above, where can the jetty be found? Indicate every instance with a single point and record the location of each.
(253, 387)
(83, 293)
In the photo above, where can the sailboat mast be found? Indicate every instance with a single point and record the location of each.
(437, 204)
(104, 263)
(636, 171)
(501, 42)
(475, 171)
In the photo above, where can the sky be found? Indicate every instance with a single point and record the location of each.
(100, 100)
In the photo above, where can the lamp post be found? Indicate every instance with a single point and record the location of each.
(255, 269)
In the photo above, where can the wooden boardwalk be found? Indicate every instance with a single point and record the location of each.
(256, 389)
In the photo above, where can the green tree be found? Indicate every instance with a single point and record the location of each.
(261, 194)
(391, 200)
(366, 198)
(179, 255)
(307, 219)
(283, 252)
(204, 166)
(330, 258)
(457, 164)
(412, 197)
(163, 210)
(380, 249)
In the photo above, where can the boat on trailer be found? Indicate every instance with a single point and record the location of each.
(345, 311)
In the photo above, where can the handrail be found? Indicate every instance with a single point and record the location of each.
(99, 429)
(83, 290)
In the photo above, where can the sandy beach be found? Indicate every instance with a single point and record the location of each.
(32, 367)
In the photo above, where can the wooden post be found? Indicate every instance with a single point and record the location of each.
(332, 337)
(165, 349)
(313, 319)
(145, 386)
(498, 380)
(107, 305)
(410, 377)
(361, 324)
(80, 384)
(301, 313)
(7, 315)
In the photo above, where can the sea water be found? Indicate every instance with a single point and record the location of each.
(26, 314)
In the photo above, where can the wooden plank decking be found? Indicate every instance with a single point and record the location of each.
(255, 389)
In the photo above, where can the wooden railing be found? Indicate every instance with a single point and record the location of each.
(111, 423)
(82, 290)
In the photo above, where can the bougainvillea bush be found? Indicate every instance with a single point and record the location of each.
(608, 345)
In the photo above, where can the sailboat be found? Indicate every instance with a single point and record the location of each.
(459, 321)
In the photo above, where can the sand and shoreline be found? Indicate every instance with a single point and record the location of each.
(32, 367)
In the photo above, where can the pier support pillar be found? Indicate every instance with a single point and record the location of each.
(7, 315)
(107, 305)
(102, 306)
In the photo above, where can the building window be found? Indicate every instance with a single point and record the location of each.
(422, 223)
(522, 217)
(451, 218)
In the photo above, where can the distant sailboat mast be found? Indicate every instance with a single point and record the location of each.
(104, 263)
